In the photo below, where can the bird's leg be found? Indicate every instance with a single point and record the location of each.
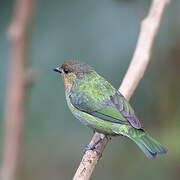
(93, 147)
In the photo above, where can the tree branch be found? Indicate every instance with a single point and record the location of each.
(134, 74)
(18, 34)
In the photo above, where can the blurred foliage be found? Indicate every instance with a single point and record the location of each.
(102, 34)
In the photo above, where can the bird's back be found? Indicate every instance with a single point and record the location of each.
(94, 86)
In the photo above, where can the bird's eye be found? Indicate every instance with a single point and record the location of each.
(66, 71)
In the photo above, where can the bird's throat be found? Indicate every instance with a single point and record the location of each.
(69, 80)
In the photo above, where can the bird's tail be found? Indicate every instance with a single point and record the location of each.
(146, 143)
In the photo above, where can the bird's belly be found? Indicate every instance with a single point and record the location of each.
(95, 123)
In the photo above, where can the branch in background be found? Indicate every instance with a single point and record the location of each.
(18, 34)
(141, 57)
(134, 74)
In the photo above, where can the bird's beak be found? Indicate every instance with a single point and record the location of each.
(58, 69)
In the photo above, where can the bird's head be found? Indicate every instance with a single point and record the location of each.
(73, 70)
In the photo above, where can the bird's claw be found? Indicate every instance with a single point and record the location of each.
(89, 147)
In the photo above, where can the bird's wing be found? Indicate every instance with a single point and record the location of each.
(114, 107)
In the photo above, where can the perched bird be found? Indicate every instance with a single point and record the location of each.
(97, 104)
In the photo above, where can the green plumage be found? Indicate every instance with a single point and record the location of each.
(146, 143)
(97, 104)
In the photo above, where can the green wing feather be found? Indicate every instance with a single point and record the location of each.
(100, 99)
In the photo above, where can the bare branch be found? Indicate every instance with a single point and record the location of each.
(90, 159)
(141, 57)
(134, 74)
(16, 86)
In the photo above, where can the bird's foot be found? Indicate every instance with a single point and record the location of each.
(89, 147)
(93, 147)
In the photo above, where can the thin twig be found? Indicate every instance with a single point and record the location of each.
(18, 33)
(134, 74)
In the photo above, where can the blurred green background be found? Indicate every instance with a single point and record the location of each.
(102, 34)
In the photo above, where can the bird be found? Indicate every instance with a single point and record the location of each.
(98, 105)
